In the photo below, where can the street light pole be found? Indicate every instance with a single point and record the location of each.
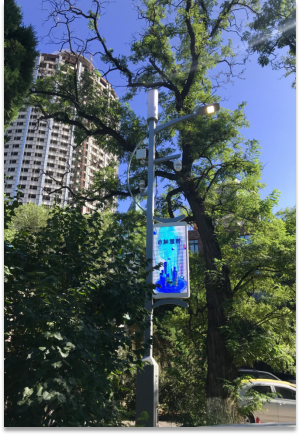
(147, 391)
(147, 388)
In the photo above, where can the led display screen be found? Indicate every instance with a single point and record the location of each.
(170, 249)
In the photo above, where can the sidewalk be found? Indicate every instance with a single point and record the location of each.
(161, 424)
(168, 425)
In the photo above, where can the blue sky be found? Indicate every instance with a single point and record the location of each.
(271, 101)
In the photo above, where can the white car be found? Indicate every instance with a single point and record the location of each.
(281, 408)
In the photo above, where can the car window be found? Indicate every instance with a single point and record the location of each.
(285, 393)
(264, 389)
(266, 376)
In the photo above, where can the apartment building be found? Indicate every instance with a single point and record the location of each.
(41, 157)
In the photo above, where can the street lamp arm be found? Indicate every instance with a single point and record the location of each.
(168, 164)
(167, 158)
(203, 110)
(172, 122)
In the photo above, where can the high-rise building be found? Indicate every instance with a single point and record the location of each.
(41, 157)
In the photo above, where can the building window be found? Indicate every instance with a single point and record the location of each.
(194, 246)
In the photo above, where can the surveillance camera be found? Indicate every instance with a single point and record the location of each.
(177, 165)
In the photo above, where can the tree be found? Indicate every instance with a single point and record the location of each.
(29, 217)
(70, 298)
(275, 28)
(288, 215)
(19, 59)
(177, 57)
(260, 326)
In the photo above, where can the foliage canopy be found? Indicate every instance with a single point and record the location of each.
(19, 59)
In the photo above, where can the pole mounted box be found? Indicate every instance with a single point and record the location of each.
(141, 154)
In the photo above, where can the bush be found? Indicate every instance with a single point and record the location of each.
(69, 297)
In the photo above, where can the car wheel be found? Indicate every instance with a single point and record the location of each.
(249, 419)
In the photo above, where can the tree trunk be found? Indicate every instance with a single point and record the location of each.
(218, 293)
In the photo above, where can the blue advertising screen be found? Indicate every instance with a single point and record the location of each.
(170, 249)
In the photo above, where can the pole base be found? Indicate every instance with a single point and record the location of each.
(147, 394)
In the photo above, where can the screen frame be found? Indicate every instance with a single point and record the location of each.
(186, 295)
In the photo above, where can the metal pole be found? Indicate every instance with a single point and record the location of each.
(148, 379)
(149, 226)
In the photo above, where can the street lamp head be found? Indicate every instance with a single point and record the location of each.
(208, 109)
